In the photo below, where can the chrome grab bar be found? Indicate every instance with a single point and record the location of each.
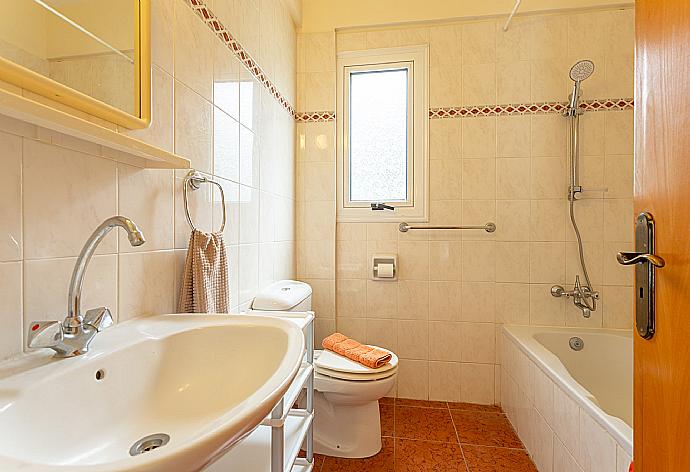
(489, 227)
(631, 258)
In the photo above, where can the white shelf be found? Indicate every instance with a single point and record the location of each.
(134, 151)
(302, 420)
(253, 453)
(289, 399)
(301, 465)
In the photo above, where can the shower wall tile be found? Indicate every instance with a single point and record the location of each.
(445, 301)
(513, 82)
(413, 300)
(60, 188)
(147, 195)
(513, 136)
(479, 46)
(162, 34)
(478, 302)
(445, 139)
(445, 381)
(478, 84)
(413, 379)
(193, 49)
(11, 197)
(193, 127)
(46, 282)
(146, 284)
(456, 289)
(445, 46)
(11, 285)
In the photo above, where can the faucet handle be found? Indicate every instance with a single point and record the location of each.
(99, 318)
(45, 334)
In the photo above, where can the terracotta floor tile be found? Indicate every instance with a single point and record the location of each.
(381, 462)
(387, 419)
(387, 401)
(497, 459)
(423, 456)
(420, 403)
(424, 423)
(485, 429)
(474, 407)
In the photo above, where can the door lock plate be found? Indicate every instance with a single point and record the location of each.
(644, 276)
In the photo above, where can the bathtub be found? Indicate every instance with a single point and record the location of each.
(571, 408)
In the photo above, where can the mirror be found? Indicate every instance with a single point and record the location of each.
(93, 55)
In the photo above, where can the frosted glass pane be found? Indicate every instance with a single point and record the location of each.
(378, 136)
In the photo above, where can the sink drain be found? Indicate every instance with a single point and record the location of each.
(149, 443)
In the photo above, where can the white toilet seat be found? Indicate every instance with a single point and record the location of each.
(333, 365)
(334, 374)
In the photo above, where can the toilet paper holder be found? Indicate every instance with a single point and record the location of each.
(384, 267)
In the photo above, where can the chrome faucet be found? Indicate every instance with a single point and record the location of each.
(72, 336)
(583, 296)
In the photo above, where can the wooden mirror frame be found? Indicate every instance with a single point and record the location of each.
(32, 81)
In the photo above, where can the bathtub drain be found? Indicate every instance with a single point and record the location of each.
(149, 443)
(576, 344)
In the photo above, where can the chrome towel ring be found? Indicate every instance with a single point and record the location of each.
(193, 181)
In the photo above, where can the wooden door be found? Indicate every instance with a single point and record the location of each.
(662, 187)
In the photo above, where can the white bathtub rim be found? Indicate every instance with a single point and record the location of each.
(619, 429)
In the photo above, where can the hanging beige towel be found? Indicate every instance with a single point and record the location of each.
(205, 279)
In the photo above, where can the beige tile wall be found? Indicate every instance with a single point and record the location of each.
(207, 108)
(315, 154)
(456, 289)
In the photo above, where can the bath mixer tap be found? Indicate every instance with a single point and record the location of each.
(583, 296)
(72, 336)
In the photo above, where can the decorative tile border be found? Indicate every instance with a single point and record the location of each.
(494, 110)
(210, 19)
(207, 16)
(315, 116)
(529, 108)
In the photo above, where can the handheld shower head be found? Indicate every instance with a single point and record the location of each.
(582, 70)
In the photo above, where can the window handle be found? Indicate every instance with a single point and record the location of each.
(381, 206)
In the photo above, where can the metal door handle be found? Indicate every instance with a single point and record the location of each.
(631, 258)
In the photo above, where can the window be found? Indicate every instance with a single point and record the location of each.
(382, 134)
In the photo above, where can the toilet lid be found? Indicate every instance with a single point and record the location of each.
(331, 363)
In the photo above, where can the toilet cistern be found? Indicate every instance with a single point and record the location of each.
(72, 336)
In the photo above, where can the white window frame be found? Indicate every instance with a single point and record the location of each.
(416, 60)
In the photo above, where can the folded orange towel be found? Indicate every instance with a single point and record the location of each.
(372, 357)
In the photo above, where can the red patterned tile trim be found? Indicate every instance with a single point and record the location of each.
(494, 110)
(529, 108)
(315, 116)
(212, 21)
(208, 17)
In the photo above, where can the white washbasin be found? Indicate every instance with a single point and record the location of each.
(204, 380)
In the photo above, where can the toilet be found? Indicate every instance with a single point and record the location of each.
(347, 422)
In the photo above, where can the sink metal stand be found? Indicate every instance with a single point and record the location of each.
(284, 452)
